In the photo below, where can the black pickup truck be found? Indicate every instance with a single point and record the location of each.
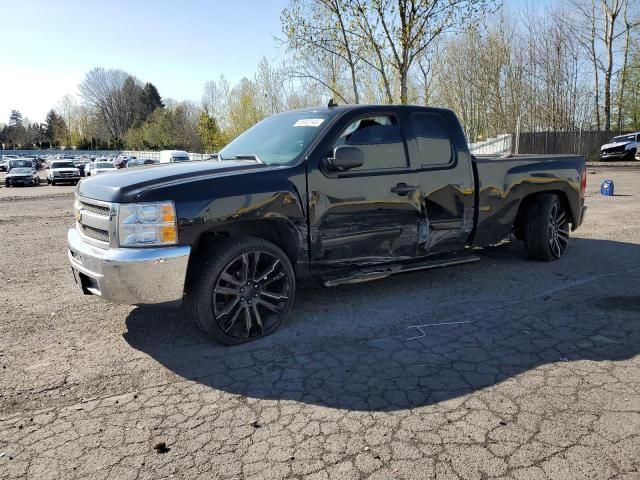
(344, 193)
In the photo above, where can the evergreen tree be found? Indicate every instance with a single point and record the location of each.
(210, 134)
(150, 100)
(56, 128)
(15, 120)
(132, 94)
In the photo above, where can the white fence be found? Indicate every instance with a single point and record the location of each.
(144, 155)
(501, 145)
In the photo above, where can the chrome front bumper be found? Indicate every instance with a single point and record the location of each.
(133, 276)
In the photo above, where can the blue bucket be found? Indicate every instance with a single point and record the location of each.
(606, 188)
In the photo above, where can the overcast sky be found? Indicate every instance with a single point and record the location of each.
(48, 46)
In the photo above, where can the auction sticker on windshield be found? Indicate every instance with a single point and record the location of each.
(309, 122)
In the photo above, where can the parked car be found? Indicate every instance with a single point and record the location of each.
(4, 162)
(100, 167)
(173, 156)
(121, 162)
(22, 176)
(134, 163)
(623, 147)
(347, 193)
(147, 162)
(21, 163)
(82, 165)
(62, 171)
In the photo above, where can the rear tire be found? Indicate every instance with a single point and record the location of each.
(547, 228)
(243, 290)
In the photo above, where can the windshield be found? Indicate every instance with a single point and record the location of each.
(623, 138)
(277, 140)
(21, 163)
(104, 165)
(63, 165)
(21, 170)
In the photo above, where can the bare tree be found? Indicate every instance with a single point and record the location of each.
(401, 31)
(317, 31)
(597, 26)
(103, 89)
(67, 109)
(631, 20)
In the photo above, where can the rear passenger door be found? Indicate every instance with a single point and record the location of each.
(442, 169)
(369, 213)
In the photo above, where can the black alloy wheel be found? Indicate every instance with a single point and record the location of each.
(241, 290)
(547, 228)
(558, 230)
(251, 295)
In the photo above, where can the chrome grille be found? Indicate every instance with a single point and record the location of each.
(95, 233)
(103, 210)
(95, 221)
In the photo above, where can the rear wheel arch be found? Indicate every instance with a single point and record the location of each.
(526, 205)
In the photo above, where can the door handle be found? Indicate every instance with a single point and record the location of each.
(403, 189)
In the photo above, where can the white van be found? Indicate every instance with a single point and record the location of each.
(171, 156)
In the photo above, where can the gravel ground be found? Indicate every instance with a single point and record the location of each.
(504, 368)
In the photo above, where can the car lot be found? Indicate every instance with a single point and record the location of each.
(504, 368)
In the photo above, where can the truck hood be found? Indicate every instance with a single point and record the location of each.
(125, 185)
(613, 145)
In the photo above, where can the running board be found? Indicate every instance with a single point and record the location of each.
(385, 270)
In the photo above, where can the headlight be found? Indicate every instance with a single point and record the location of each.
(76, 172)
(55, 173)
(147, 224)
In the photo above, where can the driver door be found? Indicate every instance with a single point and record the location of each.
(370, 213)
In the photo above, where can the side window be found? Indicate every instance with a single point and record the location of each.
(380, 140)
(433, 141)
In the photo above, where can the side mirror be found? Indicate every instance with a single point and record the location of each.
(344, 158)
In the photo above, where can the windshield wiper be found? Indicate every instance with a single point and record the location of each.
(244, 156)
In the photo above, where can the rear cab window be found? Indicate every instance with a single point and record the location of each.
(432, 139)
(380, 139)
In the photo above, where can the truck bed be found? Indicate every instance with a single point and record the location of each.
(503, 182)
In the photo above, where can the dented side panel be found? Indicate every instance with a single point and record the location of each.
(505, 183)
(268, 203)
(355, 216)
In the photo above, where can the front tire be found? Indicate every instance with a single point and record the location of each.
(547, 228)
(53, 183)
(242, 290)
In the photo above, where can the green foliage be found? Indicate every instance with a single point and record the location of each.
(55, 129)
(167, 128)
(150, 100)
(212, 138)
